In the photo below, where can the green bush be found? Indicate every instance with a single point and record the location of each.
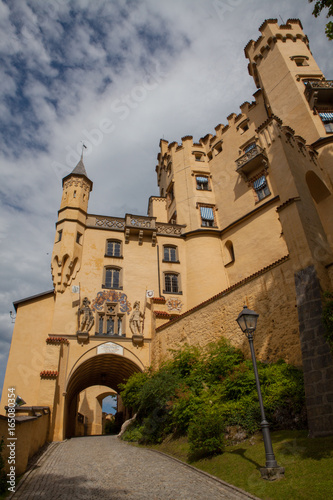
(206, 434)
(133, 433)
(201, 392)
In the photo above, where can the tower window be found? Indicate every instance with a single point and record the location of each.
(300, 60)
(112, 278)
(261, 188)
(171, 283)
(59, 235)
(113, 248)
(74, 194)
(78, 237)
(170, 254)
(202, 183)
(207, 216)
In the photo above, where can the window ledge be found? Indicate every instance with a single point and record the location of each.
(114, 256)
(173, 293)
(262, 199)
(103, 335)
(112, 287)
(171, 261)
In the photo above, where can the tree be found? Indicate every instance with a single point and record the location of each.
(319, 6)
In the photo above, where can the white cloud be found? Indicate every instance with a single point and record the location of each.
(152, 68)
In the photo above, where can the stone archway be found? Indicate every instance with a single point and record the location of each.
(108, 370)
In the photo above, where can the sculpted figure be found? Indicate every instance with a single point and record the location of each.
(86, 316)
(136, 319)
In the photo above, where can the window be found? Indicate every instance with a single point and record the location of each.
(327, 119)
(249, 147)
(207, 216)
(171, 283)
(229, 253)
(110, 321)
(243, 126)
(59, 235)
(202, 183)
(170, 254)
(300, 60)
(261, 188)
(112, 278)
(113, 248)
(173, 218)
(170, 195)
(78, 237)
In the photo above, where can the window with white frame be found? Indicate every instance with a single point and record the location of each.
(207, 216)
(261, 188)
(110, 321)
(171, 283)
(202, 182)
(113, 248)
(112, 277)
(170, 253)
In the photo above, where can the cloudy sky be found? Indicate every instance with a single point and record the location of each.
(118, 75)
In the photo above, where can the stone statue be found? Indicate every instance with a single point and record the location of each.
(86, 316)
(136, 319)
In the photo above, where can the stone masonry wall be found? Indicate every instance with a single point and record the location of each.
(317, 357)
(270, 292)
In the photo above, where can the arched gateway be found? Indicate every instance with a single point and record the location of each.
(101, 370)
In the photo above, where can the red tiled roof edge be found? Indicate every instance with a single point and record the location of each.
(225, 292)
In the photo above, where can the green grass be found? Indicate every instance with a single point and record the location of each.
(308, 465)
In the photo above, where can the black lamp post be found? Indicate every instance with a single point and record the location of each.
(247, 320)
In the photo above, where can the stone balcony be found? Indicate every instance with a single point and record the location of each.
(319, 93)
(252, 161)
(135, 225)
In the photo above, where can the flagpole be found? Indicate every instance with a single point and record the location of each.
(144, 312)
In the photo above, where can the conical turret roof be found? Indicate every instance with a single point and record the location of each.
(80, 169)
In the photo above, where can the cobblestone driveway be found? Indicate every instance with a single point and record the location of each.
(105, 468)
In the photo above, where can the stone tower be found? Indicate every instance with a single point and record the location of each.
(67, 250)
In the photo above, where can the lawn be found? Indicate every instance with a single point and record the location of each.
(308, 465)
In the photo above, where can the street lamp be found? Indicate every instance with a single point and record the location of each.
(247, 320)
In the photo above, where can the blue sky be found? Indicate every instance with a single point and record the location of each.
(118, 75)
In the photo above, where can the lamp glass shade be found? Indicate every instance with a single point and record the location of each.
(247, 320)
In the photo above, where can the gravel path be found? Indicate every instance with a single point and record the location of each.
(106, 468)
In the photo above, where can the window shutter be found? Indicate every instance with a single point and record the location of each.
(207, 213)
(326, 117)
(260, 183)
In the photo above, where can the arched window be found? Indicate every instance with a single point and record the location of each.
(171, 283)
(112, 277)
(318, 189)
(113, 248)
(170, 253)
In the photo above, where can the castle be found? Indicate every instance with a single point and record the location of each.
(243, 217)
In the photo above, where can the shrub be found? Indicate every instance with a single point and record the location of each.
(133, 433)
(206, 434)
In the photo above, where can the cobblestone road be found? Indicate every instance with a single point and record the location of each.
(106, 468)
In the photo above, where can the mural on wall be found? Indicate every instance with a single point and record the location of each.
(111, 296)
(174, 305)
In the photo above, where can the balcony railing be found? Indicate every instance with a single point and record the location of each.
(319, 93)
(251, 160)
